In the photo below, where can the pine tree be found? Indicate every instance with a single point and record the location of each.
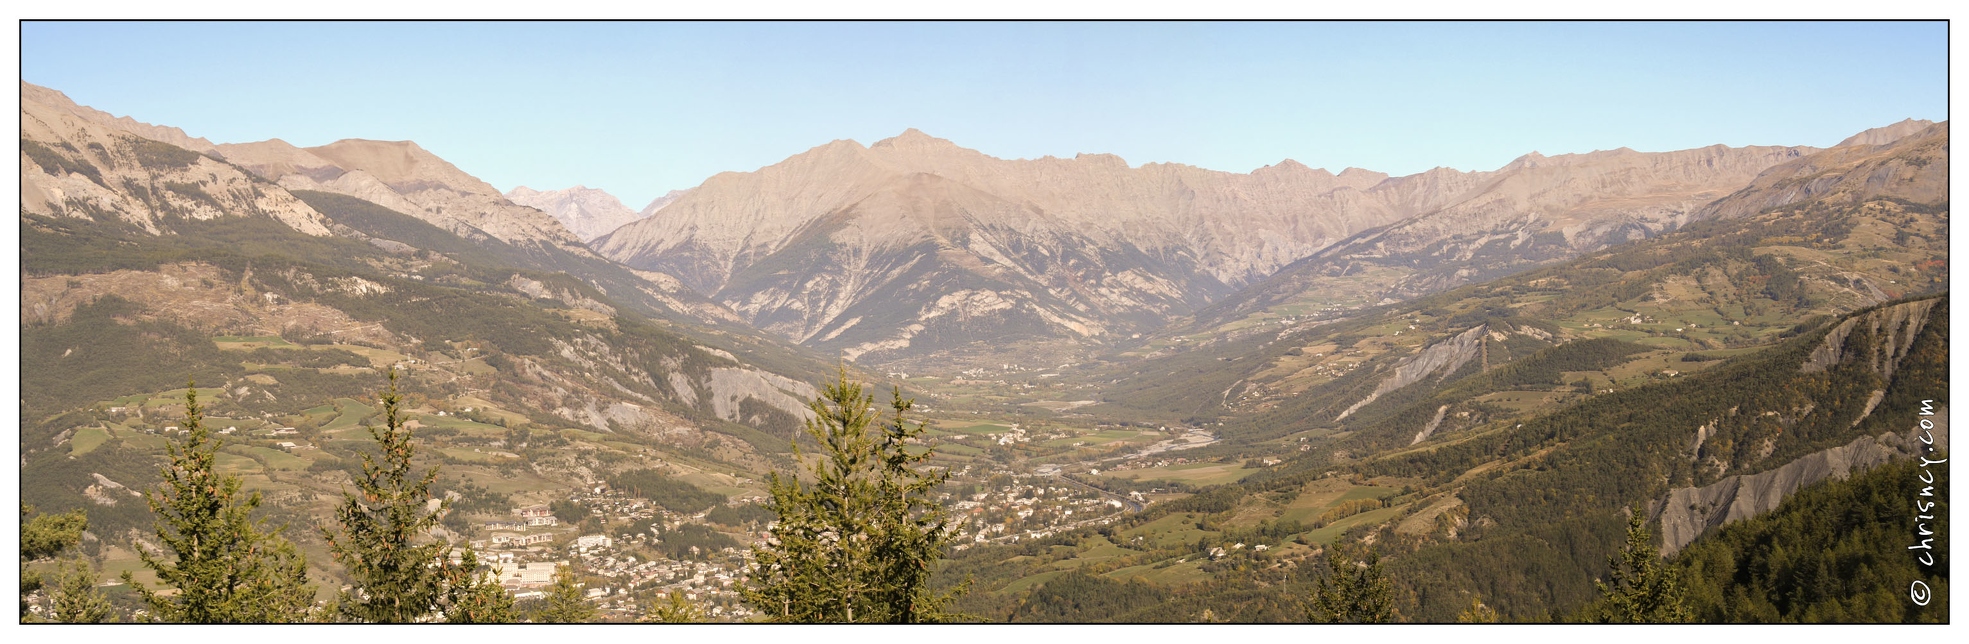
(44, 536)
(396, 578)
(76, 599)
(225, 566)
(473, 597)
(1644, 589)
(565, 601)
(858, 543)
(675, 609)
(1352, 593)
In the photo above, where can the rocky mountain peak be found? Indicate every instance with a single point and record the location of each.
(1886, 134)
(402, 164)
(1290, 166)
(1360, 179)
(913, 139)
(587, 212)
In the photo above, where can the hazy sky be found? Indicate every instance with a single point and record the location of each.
(643, 108)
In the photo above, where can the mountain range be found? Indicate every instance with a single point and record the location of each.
(915, 251)
(1474, 372)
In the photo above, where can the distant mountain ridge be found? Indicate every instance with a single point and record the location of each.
(943, 247)
(1909, 163)
(587, 212)
(79, 162)
(403, 176)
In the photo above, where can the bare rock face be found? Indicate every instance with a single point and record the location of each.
(1687, 513)
(1893, 329)
(587, 212)
(78, 162)
(1911, 167)
(1442, 359)
(402, 176)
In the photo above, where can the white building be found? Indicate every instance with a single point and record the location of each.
(526, 575)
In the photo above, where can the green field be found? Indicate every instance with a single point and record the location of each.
(249, 343)
(1192, 473)
(377, 357)
(133, 439)
(976, 428)
(86, 440)
(1331, 532)
(481, 407)
(276, 459)
(467, 427)
(350, 413)
(957, 449)
(1168, 531)
(468, 455)
(236, 464)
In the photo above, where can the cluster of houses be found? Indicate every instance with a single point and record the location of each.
(1028, 510)
(527, 549)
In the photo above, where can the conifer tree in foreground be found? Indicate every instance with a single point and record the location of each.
(1352, 593)
(397, 579)
(675, 609)
(43, 536)
(226, 567)
(472, 597)
(858, 543)
(565, 601)
(76, 599)
(1644, 589)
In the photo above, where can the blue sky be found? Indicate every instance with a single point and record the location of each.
(643, 108)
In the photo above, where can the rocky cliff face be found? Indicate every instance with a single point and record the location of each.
(1440, 359)
(79, 162)
(1687, 513)
(587, 212)
(1892, 330)
(1879, 340)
